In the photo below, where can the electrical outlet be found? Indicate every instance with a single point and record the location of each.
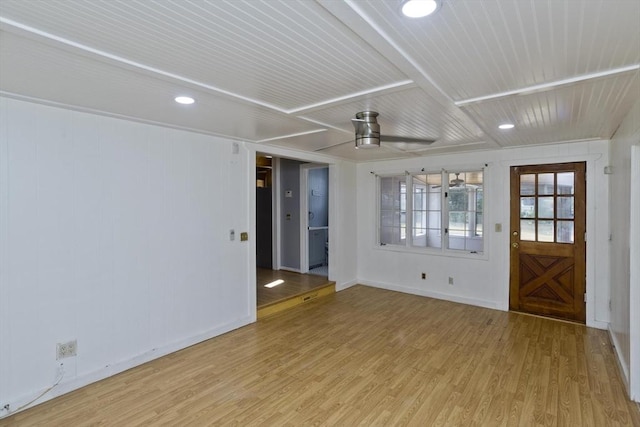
(451, 281)
(67, 349)
(424, 276)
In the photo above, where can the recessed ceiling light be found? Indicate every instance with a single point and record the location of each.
(505, 126)
(419, 8)
(186, 100)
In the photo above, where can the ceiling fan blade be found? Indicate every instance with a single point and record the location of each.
(392, 138)
(319, 150)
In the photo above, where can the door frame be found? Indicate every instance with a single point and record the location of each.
(304, 208)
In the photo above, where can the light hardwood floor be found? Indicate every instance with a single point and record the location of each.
(294, 284)
(367, 356)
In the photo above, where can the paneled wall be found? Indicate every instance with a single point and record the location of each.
(483, 279)
(114, 234)
(625, 314)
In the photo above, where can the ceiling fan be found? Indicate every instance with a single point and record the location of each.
(456, 182)
(368, 134)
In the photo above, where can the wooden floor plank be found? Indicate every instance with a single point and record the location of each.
(366, 356)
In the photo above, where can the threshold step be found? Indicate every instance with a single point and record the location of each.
(288, 303)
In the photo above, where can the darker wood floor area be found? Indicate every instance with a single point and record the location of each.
(367, 356)
(294, 284)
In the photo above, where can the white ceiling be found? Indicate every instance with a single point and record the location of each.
(293, 73)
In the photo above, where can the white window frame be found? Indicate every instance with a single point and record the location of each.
(444, 249)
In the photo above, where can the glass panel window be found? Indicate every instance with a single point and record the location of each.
(527, 207)
(412, 213)
(393, 209)
(528, 230)
(565, 207)
(546, 183)
(565, 183)
(565, 232)
(465, 201)
(545, 207)
(545, 231)
(528, 184)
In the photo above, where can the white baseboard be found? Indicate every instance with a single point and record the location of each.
(111, 370)
(295, 270)
(343, 286)
(495, 305)
(598, 324)
(624, 369)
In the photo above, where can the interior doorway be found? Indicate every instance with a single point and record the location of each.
(314, 233)
(548, 247)
(286, 191)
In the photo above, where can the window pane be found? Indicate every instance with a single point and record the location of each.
(545, 231)
(527, 230)
(545, 207)
(565, 207)
(527, 184)
(565, 183)
(465, 203)
(392, 209)
(458, 223)
(545, 183)
(527, 207)
(389, 218)
(565, 232)
(479, 222)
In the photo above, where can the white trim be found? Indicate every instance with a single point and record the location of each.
(494, 305)
(295, 270)
(304, 209)
(345, 285)
(624, 371)
(634, 277)
(548, 86)
(111, 370)
(276, 214)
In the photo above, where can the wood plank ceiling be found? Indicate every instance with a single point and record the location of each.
(293, 73)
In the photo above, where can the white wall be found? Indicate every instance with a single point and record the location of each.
(484, 279)
(116, 233)
(623, 309)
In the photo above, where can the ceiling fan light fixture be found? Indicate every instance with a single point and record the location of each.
(367, 129)
(419, 8)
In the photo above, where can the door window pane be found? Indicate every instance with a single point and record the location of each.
(527, 230)
(527, 207)
(565, 232)
(565, 183)
(545, 207)
(565, 207)
(528, 184)
(545, 183)
(545, 231)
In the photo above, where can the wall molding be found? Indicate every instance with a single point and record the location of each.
(114, 369)
(494, 305)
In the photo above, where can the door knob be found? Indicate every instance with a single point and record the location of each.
(515, 244)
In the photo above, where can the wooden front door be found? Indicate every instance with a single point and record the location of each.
(548, 250)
